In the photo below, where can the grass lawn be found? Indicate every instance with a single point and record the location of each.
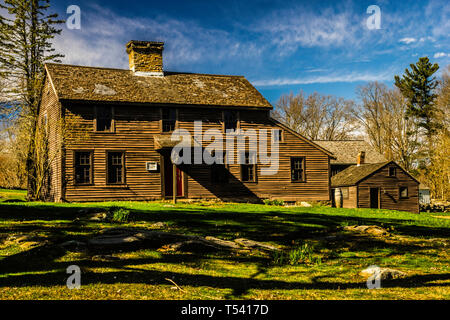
(33, 264)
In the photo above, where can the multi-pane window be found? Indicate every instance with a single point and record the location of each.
(104, 116)
(169, 119)
(403, 192)
(219, 171)
(392, 172)
(83, 167)
(248, 167)
(298, 169)
(230, 119)
(116, 168)
(276, 136)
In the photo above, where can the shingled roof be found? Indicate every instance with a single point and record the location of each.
(353, 174)
(346, 151)
(123, 86)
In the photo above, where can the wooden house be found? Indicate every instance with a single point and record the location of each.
(376, 185)
(109, 135)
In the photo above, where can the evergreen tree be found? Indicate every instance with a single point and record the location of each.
(26, 34)
(418, 87)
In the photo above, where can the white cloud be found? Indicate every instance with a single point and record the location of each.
(296, 27)
(334, 78)
(103, 35)
(407, 40)
(441, 55)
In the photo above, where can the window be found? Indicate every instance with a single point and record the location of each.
(219, 170)
(403, 192)
(83, 167)
(115, 168)
(298, 169)
(344, 193)
(169, 119)
(392, 172)
(248, 167)
(230, 119)
(277, 136)
(104, 118)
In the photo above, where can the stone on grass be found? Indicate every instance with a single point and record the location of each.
(159, 225)
(382, 273)
(191, 246)
(114, 237)
(223, 243)
(305, 204)
(97, 216)
(254, 244)
(371, 230)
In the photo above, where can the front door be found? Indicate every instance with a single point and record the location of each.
(374, 198)
(168, 179)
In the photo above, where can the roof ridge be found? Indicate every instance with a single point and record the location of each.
(127, 70)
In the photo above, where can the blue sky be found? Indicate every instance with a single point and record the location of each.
(280, 46)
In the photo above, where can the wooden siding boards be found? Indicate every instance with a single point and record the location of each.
(134, 131)
(50, 108)
(351, 202)
(389, 188)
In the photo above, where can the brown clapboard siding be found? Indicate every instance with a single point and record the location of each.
(134, 130)
(135, 127)
(351, 202)
(50, 108)
(389, 190)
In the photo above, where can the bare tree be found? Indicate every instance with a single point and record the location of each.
(381, 114)
(443, 100)
(317, 116)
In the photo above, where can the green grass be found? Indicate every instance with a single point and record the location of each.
(12, 195)
(328, 268)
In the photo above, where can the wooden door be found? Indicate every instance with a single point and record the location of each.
(168, 179)
(374, 198)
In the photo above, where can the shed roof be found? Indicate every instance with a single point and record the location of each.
(353, 174)
(346, 151)
(117, 85)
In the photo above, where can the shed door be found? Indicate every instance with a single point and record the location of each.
(374, 198)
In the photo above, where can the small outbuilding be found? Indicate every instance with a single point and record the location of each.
(383, 185)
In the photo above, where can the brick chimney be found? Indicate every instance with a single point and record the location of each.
(145, 57)
(360, 159)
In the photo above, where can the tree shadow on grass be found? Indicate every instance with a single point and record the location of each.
(274, 226)
(240, 286)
